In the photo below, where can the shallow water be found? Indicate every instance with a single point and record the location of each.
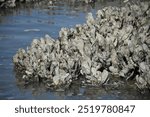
(19, 26)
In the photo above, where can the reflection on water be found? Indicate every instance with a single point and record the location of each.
(20, 25)
(76, 91)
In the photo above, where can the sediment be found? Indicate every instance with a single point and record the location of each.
(116, 43)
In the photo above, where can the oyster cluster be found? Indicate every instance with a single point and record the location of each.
(116, 43)
(12, 3)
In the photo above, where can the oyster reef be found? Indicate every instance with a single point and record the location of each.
(113, 45)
